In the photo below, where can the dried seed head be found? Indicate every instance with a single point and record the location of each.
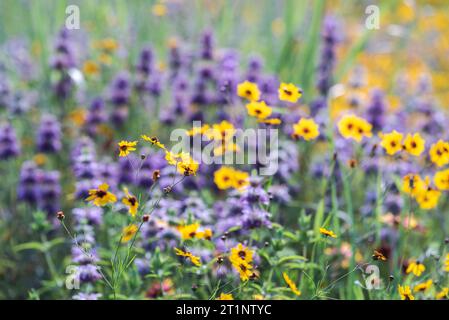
(220, 260)
(142, 156)
(167, 189)
(60, 215)
(156, 175)
(145, 217)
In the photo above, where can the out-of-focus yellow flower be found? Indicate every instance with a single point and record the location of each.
(439, 153)
(40, 159)
(259, 110)
(291, 284)
(443, 294)
(441, 179)
(159, 10)
(189, 231)
(277, 27)
(101, 196)
(225, 296)
(405, 293)
(289, 92)
(414, 144)
(91, 68)
(428, 198)
(272, 121)
(415, 267)
(129, 232)
(421, 287)
(107, 44)
(184, 163)
(327, 233)
(308, 129)
(353, 127)
(131, 202)
(249, 91)
(153, 140)
(446, 263)
(412, 184)
(391, 142)
(194, 259)
(125, 147)
(227, 177)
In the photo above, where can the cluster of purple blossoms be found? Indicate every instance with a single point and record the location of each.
(63, 61)
(119, 95)
(39, 188)
(9, 145)
(49, 135)
(83, 250)
(96, 115)
(85, 167)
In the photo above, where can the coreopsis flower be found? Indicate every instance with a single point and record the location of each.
(90, 68)
(412, 184)
(291, 284)
(240, 252)
(189, 231)
(391, 142)
(153, 140)
(129, 232)
(107, 44)
(221, 131)
(125, 147)
(443, 294)
(308, 129)
(446, 263)
(240, 179)
(223, 178)
(225, 296)
(327, 233)
(131, 202)
(198, 130)
(405, 292)
(101, 196)
(243, 268)
(289, 92)
(421, 287)
(415, 267)
(441, 179)
(259, 110)
(428, 198)
(184, 163)
(353, 127)
(249, 91)
(194, 259)
(439, 153)
(379, 256)
(414, 144)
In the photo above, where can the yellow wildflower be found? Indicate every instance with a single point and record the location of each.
(125, 147)
(90, 68)
(101, 196)
(306, 128)
(391, 142)
(128, 232)
(421, 287)
(327, 233)
(405, 293)
(415, 267)
(353, 127)
(414, 144)
(441, 180)
(259, 110)
(194, 259)
(439, 153)
(249, 91)
(153, 140)
(240, 252)
(289, 92)
(443, 294)
(225, 296)
(131, 202)
(291, 284)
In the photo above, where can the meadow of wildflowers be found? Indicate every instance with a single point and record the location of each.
(125, 174)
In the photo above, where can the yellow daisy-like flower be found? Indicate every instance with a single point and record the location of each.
(188, 231)
(184, 163)
(353, 127)
(405, 293)
(129, 232)
(439, 153)
(131, 202)
(125, 147)
(194, 259)
(225, 296)
(221, 131)
(391, 142)
(240, 252)
(240, 179)
(153, 140)
(249, 91)
(206, 234)
(101, 196)
(259, 110)
(289, 92)
(223, 178)
(421, 287)
(327, 233)
(414, 144)
(107, 44)
(308, 129)
(291, 284)
(428, 198)
(413, 184)
(441, 180)
(415, 267)
(443, 294)
(90, 68)
(159, 10)
(243, 268)
(198, 130)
